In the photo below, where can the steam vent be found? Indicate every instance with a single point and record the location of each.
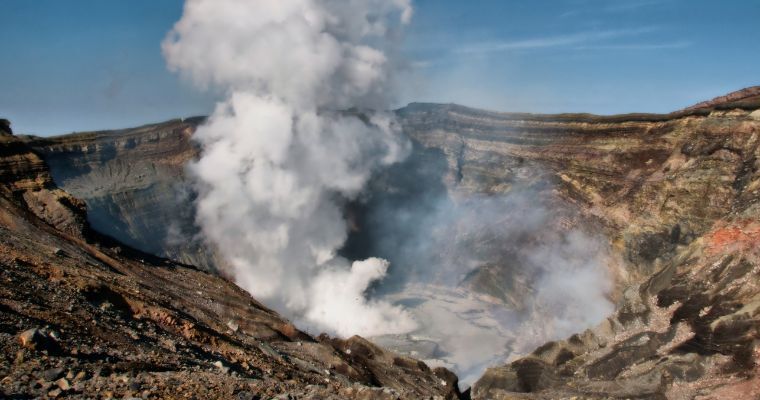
(330, 221)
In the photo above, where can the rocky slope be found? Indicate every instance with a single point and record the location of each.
(676, 195)
(134, 184)
(653, 182)
(83, 316)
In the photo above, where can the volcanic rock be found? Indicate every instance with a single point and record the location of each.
(63, 384)
(30, 338)
(35, 339)
(678, 197)
(676, 194)
(98, 299)
(52, 373)
(133, 183)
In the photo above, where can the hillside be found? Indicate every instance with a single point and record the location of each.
(85, 316)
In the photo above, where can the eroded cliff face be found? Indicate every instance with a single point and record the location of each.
(689, 331)
(134, 184)
(678, 197)
(26, 178)
(83, 316)
(654, 183)
(675, 195)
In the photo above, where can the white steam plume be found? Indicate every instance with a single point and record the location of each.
(488, 277)
(278, 158)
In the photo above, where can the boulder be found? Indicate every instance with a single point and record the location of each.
(36, 339)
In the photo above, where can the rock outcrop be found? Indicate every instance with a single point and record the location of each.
(83, 316)
(24, 176)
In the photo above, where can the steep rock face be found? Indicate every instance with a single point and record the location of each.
(678, 196)
(133, 182)
(25, 177)
(689, 331)
(86, 315)
(654, 182)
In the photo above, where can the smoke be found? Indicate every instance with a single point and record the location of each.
(572, 286)
(278, 161)
(488, 277)
(481, 277)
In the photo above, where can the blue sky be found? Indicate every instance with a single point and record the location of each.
(79, 65)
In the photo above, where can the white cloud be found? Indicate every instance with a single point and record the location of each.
(638, 46)
(566, 40)
(613, 7)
